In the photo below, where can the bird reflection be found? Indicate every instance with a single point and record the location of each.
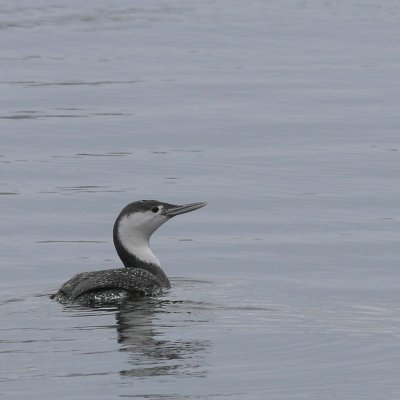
(145, 328)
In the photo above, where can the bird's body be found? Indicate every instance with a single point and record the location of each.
(142, 275)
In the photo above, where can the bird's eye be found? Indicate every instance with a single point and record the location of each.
(154, 209)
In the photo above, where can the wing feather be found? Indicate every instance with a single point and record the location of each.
(134, 280)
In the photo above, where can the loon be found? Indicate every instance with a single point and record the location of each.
(142, 275)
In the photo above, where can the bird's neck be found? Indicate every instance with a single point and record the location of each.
(134, 251)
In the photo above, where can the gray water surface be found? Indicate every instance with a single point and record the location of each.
(283, 116)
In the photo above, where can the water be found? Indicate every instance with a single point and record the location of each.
(283, 115)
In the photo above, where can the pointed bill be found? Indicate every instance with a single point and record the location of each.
(177, 210)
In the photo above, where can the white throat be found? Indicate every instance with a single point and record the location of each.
(134, 232)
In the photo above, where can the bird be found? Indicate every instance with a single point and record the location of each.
(142, 274)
